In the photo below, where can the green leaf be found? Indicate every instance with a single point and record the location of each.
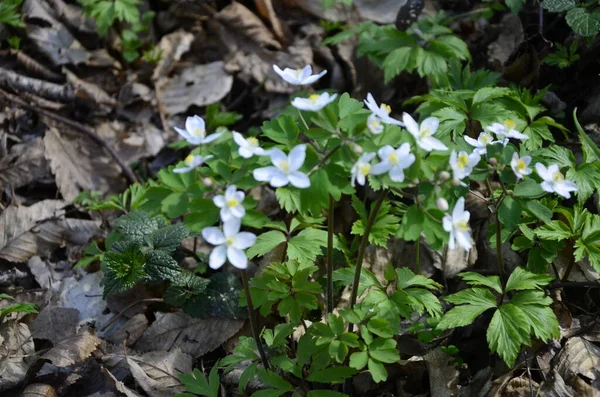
(539, 210)
(542, 320)
(307, 245)
(123, 267)
(358, 360)
(406, 279)
(221, 299)
(316, 196)
(385, 225)
(332, 374)
(377, 370)
(521, 279)
(9, 13)
(430, 64)
(515, 5)
(424, 300)
(168, 238)
(583, 22)
(196, 383)
(412, 223)
(587, 178)
(288, 199)
(268, 393)
(477, 279)
(558, 5)
(367, 279)
(529, 189)
(555, 230)
(473, 301)
(325, 393)
(488, 93)
(18, 308)
(397, 61)
(265, 243)
(161, 266)
(348, 105)
(282, 129)
(509, 213)
(272, 379)
(138, 224)
(507, 331)
(590, 150)
(175, 204)
(186, 287)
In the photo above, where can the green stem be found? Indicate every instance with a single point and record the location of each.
(253, 325)
(324, 159)
(304, 121)
(363, 246)
(499, 260)
(330, 221)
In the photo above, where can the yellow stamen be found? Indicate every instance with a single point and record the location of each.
(462, 225)
(462, 161)
(509, 124)
(198, 132)
(252, 140)
(232, 202)
(558, 176)
(364, 169)
(425, 132)
(375, 123)
(230, 240)
(284, 165)
(485, 139)
(386, 108)
(314, 97)
(393, 158)
(521, 165)
(189, 160)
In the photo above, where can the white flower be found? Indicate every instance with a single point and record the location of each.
(361, 169)
(394, 161)
(520, 166)
(442, 204)
(192, 161)
(457, 225)
(313, 103)
(231, 203)
(554, 180)
(195, 131)
(507, 130)
(462, 163)
(383, 111)
(248, 146)
(481, 143)
(302, 76)
(374, 124)
(230, 244)
(423, 134)
(284, 169)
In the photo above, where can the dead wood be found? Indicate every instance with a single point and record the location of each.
(18, 82)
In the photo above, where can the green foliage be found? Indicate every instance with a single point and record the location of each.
(9, 13)
(16, 307)
(130, 200)
(584, 20)
(564, 56)
(527, 314)
(198, 384)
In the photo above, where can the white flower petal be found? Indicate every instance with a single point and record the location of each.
(406, 160)
(231, 227)
(217, 257)
(299, 180)
(225, 214)
(182, 170)
(297, 157)
(239, 139)
(463, 238)
(230, 191)
(397, 174)
(459, 209)
(430, 123)
(213, 235)
(264, 174)
(434, 143)
(547, 186)
(279, 179)
(244, 240)
(384, 152)
(219, 200)
(381, 168)
(238, 211)
(194, 123)
(543, 172)
(237, 257)
(411, 125)
(277, 156)
(212, 137)
(245, 152)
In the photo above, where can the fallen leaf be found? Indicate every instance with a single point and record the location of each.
(443, 377)
(247, 24)
(25, 164)
(193, 336)
(49, 275)
(55, 324)
(265, 8)
(89, 92)
(130, 330)
(120, 386)
(39, 390)
(172, 46)
(73, 350)
(165, 383)
(15, 345)
(578, 357)
(198, 85)
(84, 294)
(78, 165)
(554, 386)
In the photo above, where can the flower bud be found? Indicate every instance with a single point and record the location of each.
(442, 204)
(455, 182)
(415, 181)
(207, 181)
(493, 161)
(357, 148)
(421, 197)
(444, 176)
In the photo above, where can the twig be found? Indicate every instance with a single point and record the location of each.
(77, 126)
(330, 222)
(34, 66)
(112, 320)
(18, 82)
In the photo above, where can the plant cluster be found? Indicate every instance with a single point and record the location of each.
(15, 307)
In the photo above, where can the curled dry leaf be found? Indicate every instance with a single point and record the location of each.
(151, 378)
(130, 330)
(193, 336)
(73, 350)
(172, 46)
(49, 275)
(16, 345)
(198, 85)
(247, 24)
(265, 7)
(39, 390)
(89, 92)
(79, 165)
(120, 386)
(55, 324)
(578, 357)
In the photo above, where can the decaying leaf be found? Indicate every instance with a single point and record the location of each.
(29, 231)
(161, 387)
(89, 92)
(55, 324)
(198, 85)
(16, 345)
(48, 274)
(120, 386)
(578, 357)
(39, 390)
(130, 330)
(83, 294)
(554, 386)
(73, 350)
(25, 164)
(79, 166)
(443, 377)
(265, 7)
(193, 336)
(172, 46)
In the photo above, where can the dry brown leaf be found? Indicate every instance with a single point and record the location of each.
(39, 390)
(120, 386)
(247, 24)
(443, 377)
(15, 345)
(554, 386)
(89, 92)
(73, 350)
(55, 324)
(578, 357)
(166, 366)
(132, 142)
(130, 330)
(84, 294)
(165, 386)
(25, 164)
(74, 16)
(265, 7)
(172, 47)
(198, 85)
(79, 165)
(49, 274)
(193, 336)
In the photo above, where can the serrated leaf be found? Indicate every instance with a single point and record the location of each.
(124, 266)
(515, 5)
(348, 105)
(583, 22)
(168, 238)
(507, 331)
(265, 243)
(185, 288)
(307, 245)
(476, 301)
(288, 199)
(555, 230)
(406, 279)
(397, 61)
(488, 93)
(161, 266)
(521, 279)
(542, 320)
(220, 299)
(477, 279)
(558, 5)
(282, 130)
(587, 179)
